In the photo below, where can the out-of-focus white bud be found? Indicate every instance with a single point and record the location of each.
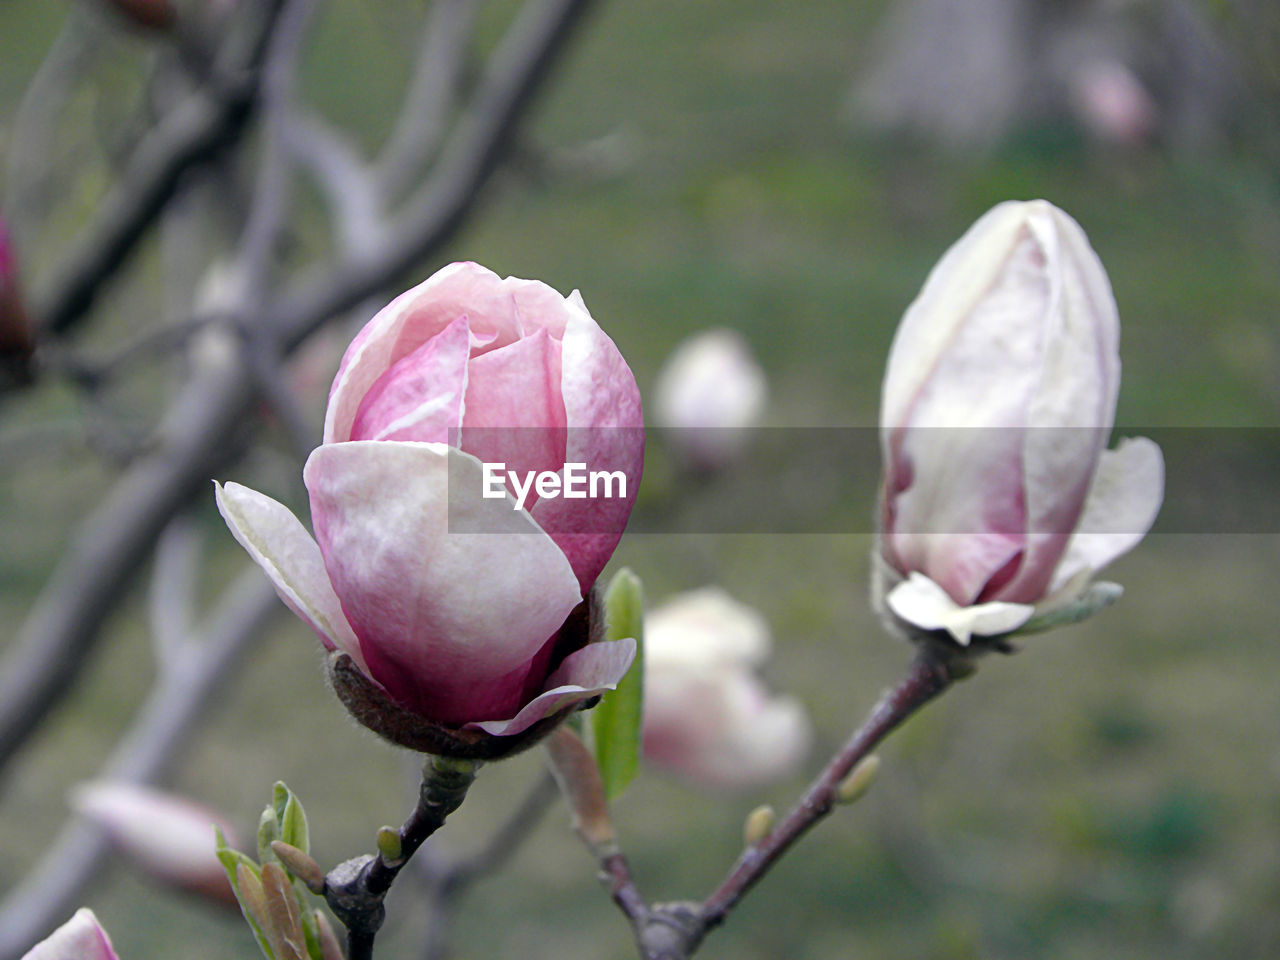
(167, 836)
(707, 716)
(709, 393)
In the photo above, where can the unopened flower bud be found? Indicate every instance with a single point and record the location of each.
(389, 845)
(170, 837)
(466, 379)
(855, 786)
(80, 938)
(709, 393)
(301, 865)
(16, 338)
(758, 824)
(1000, 500)
(708, 717)
(155, 15)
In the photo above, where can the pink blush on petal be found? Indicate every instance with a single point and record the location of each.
(420, 397)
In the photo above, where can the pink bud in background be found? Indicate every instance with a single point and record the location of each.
(999, 495)
(1112, 103)
(709, 392)
(157, 15)
(463, 629)
(16, 341)
(707, 715)
(167, 836)
(80, 938)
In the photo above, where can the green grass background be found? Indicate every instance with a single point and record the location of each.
(1111, 791)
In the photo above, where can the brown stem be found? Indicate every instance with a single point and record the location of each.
(933, 670)
(355, 889)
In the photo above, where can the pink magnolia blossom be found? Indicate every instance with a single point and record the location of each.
(707, 716)
(999, 496)
(460, 628)
(80, 938)
(169, 837)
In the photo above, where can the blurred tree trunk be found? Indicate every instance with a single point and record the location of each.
(965, 74)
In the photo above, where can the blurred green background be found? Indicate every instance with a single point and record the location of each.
(1111, 791)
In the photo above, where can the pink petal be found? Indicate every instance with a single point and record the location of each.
(959, 440)
(602, 409)
(420, 396)
(166, 834)
(80, 938)
(1070, 415)
(961, 519)
(585, 673)
(410, 320)
(281, 546)
(448, 622)
(514, 414)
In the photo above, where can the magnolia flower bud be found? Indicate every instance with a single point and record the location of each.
(1112, 103)
(171, 838)
(707, 716)
(442, 632)
(16, 341)
(999, 499)
(80, 938)
(709, 392)
(157, 15)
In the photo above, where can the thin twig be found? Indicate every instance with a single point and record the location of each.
(930, 673)
(355, 889)
(674, 931)
(31, 132)
(196, 438)
(342, 176)
(210, 118)
(53, 644)
(428, 99)
(448, 879)
(143, 755)
(516, 70)
(172, 600)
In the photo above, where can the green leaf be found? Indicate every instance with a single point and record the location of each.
(231, 859)
(268, 830)
(290, 817)
(290, 825)
(615, 722)
(1097, 596)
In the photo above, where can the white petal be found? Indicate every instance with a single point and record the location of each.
(708, 627)
(281, 546)
(921, 602)
(1122, 505)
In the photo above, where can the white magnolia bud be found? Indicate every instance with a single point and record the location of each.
(709, 392)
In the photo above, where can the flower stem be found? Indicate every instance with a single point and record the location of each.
(355, 889)
(934, 669)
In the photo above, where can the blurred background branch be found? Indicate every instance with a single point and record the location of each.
(197, 211)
